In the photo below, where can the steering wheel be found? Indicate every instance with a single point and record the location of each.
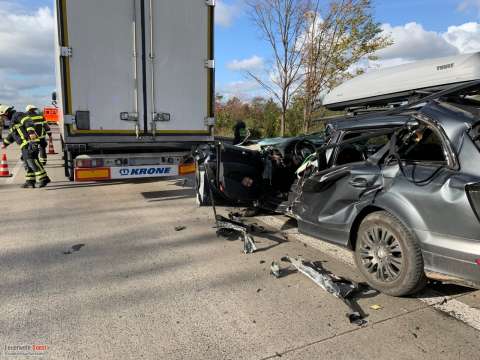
(303, 149)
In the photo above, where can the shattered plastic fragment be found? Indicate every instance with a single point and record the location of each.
(275, 269)
(73, 249)
(376, 307)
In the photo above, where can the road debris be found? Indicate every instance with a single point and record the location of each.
(376, 307)
(73, 249)
(225, 227)
(180, 228)
(232, 224)
(342, 289)
(275, 270)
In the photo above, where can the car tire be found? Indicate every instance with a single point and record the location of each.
(389, 256)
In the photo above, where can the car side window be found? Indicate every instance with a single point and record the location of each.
(424, 145)
(361, 150)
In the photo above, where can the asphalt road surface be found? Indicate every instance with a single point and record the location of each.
(98, 271)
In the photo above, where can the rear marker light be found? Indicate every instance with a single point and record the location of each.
(92, 174)
(187, 168)
(477, 262)
(89, 163)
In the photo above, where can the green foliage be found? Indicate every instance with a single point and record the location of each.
(261, 116)
(294, 121)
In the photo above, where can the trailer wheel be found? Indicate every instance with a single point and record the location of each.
(68, 165)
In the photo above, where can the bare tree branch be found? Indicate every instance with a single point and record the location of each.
(282, 23)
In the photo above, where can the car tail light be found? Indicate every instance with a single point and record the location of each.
(477, 261)
(473, 194)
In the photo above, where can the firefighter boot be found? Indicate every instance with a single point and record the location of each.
(28, 184)
(44, 182)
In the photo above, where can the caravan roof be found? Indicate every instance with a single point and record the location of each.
(399, 83)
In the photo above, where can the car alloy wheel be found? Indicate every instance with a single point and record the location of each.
(388, 255)
(381, 254)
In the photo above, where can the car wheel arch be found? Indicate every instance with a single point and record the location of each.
(369, 209)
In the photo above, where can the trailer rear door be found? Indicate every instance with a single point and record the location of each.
(178, 39)
(137, 63)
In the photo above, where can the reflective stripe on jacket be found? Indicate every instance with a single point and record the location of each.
(41, 126)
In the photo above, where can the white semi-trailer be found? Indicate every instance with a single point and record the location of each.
(135, 85)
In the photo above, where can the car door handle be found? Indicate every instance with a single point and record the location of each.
(359, 182)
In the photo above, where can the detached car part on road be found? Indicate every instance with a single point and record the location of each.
(401, 188)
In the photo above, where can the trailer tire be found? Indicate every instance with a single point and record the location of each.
(68, 165)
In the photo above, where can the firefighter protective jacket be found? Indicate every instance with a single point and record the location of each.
(41, 126)
(20, 131)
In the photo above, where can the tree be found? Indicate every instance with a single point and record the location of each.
(335, 41)
(282, 23)
(294, 125)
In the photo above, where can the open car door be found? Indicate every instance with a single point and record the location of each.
(240, 174)
(229, 173)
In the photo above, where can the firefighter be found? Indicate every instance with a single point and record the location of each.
(239, 132)
(42, 129)
(22, 131)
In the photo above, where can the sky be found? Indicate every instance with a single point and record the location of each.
(420, 29)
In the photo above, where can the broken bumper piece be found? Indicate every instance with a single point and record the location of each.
(343, 289)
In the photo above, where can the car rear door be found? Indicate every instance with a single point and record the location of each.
(329, 200)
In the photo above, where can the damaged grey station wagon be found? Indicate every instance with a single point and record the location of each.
(399, 186)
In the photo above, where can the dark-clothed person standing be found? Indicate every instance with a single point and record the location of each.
(239, 132)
